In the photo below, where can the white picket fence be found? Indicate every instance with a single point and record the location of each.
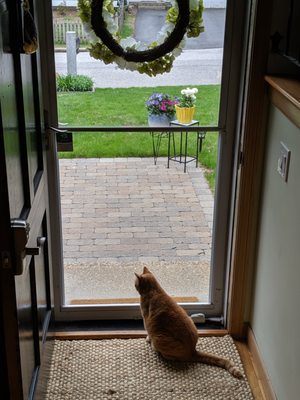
(62, 25)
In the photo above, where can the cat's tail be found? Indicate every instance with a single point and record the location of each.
(221, 362)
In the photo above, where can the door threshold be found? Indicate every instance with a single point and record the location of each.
(120, 334)
(108, 329)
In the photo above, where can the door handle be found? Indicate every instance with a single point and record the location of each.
(21, 230)
(35, 251)
(64, 138)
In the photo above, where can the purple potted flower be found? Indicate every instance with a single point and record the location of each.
(161, 109)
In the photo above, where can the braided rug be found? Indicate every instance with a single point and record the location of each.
(129, 370)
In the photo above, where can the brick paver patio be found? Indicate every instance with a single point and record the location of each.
(128, 210)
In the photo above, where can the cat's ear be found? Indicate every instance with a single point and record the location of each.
(137, 275)
(145, 270)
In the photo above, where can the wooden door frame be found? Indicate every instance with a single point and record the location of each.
(233, 82)
(249, 181)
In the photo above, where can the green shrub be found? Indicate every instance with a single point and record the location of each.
(128, 25)
(74, 83)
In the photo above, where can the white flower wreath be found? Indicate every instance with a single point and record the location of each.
(100, 51)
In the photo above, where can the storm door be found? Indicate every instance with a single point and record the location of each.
(101, 196)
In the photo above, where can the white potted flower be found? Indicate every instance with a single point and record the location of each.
(185, 106)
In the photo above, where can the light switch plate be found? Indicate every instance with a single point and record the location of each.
(283, 161)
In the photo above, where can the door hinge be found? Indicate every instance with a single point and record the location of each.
(5, 260)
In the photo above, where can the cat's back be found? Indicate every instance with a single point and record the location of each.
(167, 317)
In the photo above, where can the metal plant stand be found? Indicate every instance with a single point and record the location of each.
(156, 142)
(182, 157)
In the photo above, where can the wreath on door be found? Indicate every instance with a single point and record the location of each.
(183, 19)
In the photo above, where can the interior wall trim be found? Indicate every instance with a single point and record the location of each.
(250, 173)
(259, 367)
(284, 93)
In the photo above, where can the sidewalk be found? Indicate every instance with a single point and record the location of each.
(199, 64)
(192, 67)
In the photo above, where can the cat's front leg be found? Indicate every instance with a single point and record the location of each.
(148, 339)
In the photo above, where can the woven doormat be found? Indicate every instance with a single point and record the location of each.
(127, 369)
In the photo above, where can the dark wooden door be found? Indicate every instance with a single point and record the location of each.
(24, 235)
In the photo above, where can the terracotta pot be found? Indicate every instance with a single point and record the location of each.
(185, 114)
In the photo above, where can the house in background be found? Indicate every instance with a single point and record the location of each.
(263, 297)
(207, 3)
(67, 3)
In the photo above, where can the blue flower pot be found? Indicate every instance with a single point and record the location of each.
(159, 120)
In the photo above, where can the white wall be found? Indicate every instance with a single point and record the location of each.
(275, 317)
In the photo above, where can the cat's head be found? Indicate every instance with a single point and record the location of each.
(144, 282)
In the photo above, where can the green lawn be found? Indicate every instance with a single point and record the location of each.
(111, 107)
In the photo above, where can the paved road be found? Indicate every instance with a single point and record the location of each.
(199, 64)
(149, 22)
(192, 67)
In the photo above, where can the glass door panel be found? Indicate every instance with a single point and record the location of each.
(121, 207)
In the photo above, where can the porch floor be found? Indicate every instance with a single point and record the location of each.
(122, 213)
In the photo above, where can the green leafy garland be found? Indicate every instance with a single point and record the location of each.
(100, 51)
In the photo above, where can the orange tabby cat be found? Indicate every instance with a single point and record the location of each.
(171, 331)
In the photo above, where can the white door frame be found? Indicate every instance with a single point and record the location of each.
(232, 92)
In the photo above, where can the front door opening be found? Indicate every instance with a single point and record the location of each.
(121, 207)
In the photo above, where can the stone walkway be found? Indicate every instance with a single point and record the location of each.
(130, 212)
(134, 210)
